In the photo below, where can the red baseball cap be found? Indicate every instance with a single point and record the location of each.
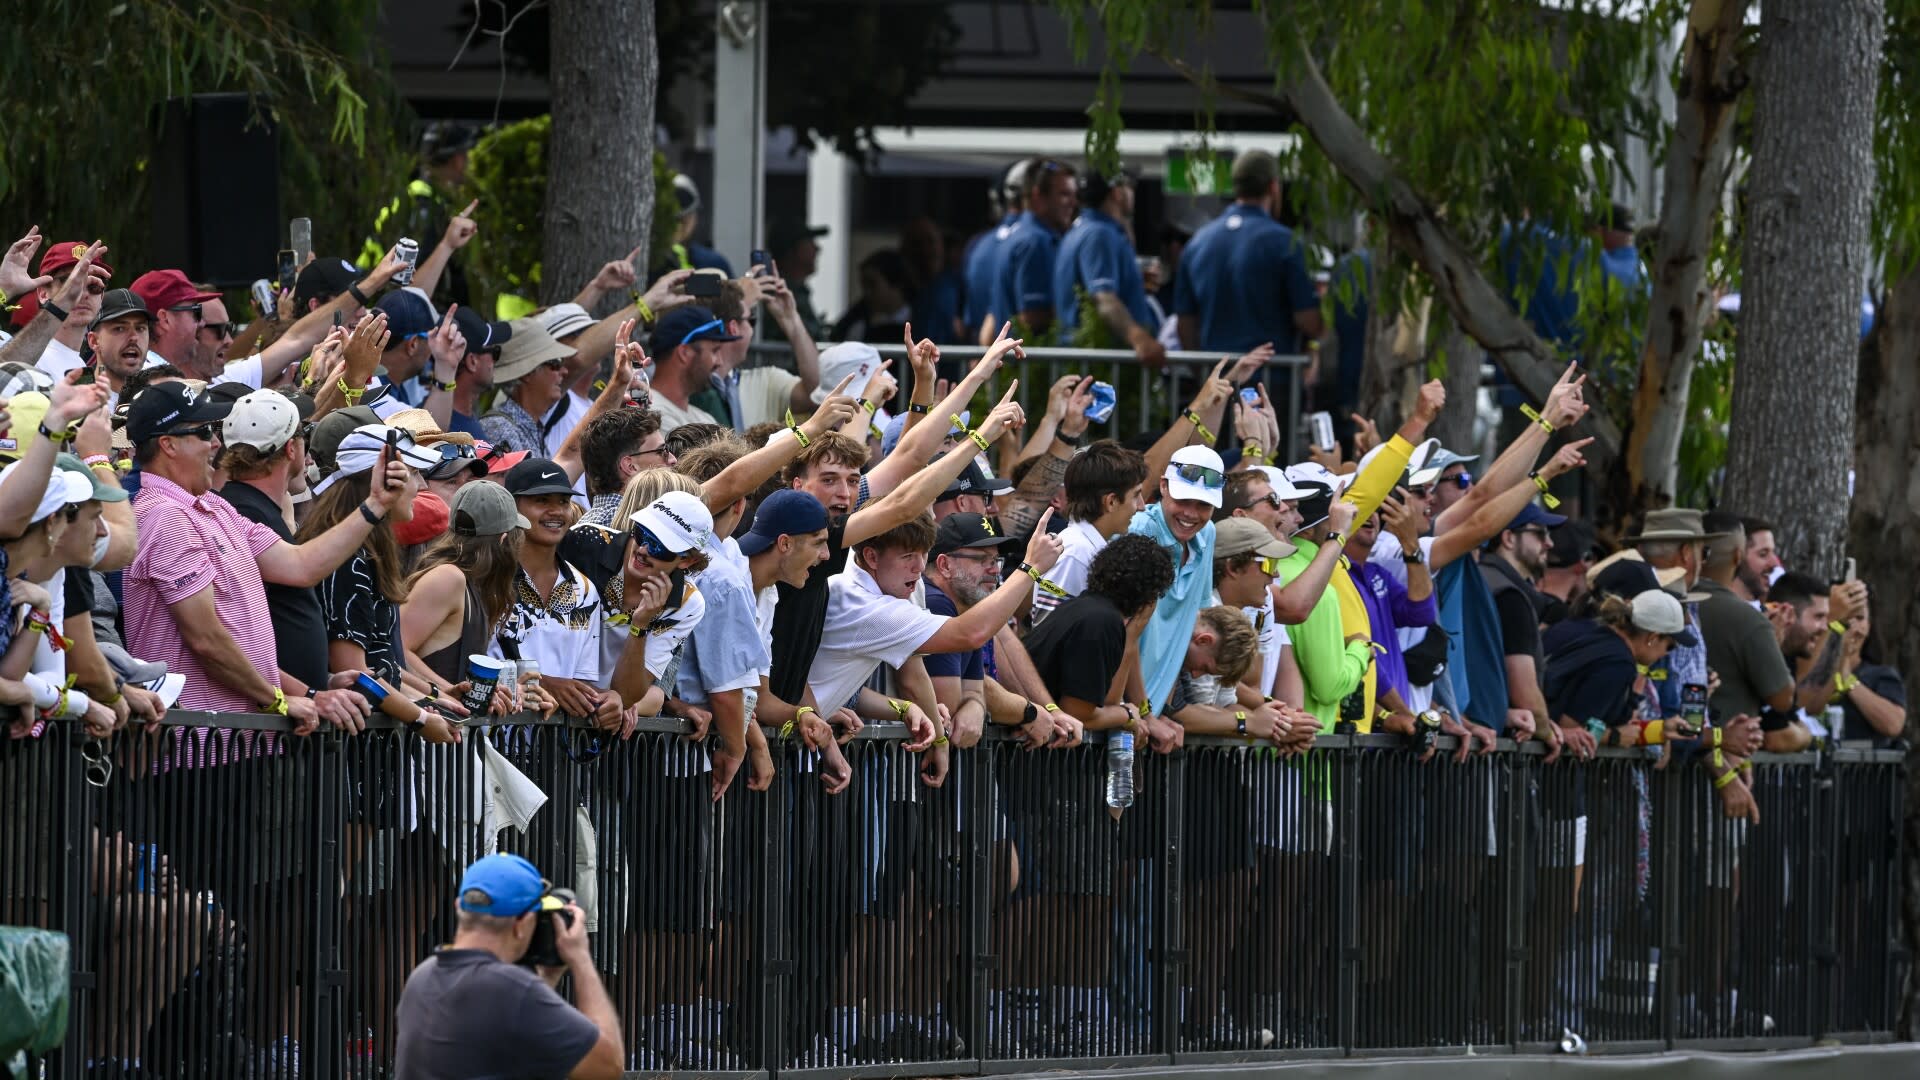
(63, 255)
(504, 462)
(163, 289)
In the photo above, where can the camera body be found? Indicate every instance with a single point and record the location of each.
(544, 949)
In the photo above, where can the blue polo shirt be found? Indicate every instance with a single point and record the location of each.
(1023, 274)
(1552, 305)
(1097, 256)
(983, 256)
(1476, 653)
(1163, 646)
(1352, 277)
(1244, 275)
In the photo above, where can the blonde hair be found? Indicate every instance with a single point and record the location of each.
(1235, 642)
(646, 486)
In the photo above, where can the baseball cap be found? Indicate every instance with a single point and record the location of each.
(360, 451)
(527, 348)
(430, 518)
(784, 513)
(538, 476)
(686, 193)
(1531, 514)
(1572, 542)
(262, 419)
(972, 481)
(1245, 536)
(18, 378)
(161, 407)
(782, 235)
(103, 492)
(409, 314)
(118, 302)
(26, 412)
(503, 463)
(323, 277)
(1605, 575)
(1659, 611)
(333, 427)
(482, 334)
(855, 358)
(694, 323)
(1674, 580)
(1437, 463)
(958, 531)
(162, 289)
(455, 458)
(484, 508)
(63, 489)
(63, 255)
(506, 886)
(1283, 486)
(1196, 472)
(1315, 475)
(562, 320)
(678, 519)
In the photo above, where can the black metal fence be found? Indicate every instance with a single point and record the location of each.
(244, 903)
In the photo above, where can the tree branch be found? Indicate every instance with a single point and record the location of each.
(1476, 306)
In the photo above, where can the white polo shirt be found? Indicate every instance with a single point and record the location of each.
(1080, 542)
(864, 629)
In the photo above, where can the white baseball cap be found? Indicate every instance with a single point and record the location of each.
(561, 320)
(679, 519)
(64, 488)
(1659, 611)
(264, 419)
(1205, 475)
(361, 450)
(1282, 485)
(855, 358)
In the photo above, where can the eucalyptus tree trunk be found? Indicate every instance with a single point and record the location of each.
(604, 73)
(1807, 248)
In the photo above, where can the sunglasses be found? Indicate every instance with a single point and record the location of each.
(663, 450)
(1463, 480)
(1200, 474)
(553, 365)
(1270, 499)
(190, 309)
(1270, 566)
(219, 329)
(652, 545)
(1532, 530)
(203, 431)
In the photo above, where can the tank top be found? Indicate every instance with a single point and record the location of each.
(450, 661)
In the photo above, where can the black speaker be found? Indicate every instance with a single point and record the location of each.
(216, 190)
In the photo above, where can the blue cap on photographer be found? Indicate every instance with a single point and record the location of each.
(506, 886)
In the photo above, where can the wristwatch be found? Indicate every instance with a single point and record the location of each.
(1240, 721)
(1027, 714)
(1414, 554)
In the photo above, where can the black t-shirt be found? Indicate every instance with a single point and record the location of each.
(1878, 678)
(79, 591)
(800, 619)
(299, 627)
(1589, 674)
(466, 1013)
(1077, 649)
(1515, 601)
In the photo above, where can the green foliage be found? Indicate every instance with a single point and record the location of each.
(82, 84)
(836, 69)
(1896, 205)
(507, 172)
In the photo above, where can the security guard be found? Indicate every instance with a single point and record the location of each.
(1096, 264)
(1243, 279)
(1023, 274)
(423, 211)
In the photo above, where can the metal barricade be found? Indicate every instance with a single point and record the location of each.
(246, 903)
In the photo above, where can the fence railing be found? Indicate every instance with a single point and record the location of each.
(245, 903)
(1148, 399)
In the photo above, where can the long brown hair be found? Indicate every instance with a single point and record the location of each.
(487, 561)
(341, 501)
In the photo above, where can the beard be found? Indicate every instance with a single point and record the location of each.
(970, 593)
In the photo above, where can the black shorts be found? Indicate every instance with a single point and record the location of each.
(673, 853)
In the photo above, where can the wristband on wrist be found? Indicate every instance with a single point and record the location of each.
(1193, 418)
(1843, 683)
(979, 440)
(1725, 778)
(899, 707)
(351, 393)
(1837, 626)
(1251, 451)
(918, 409)
(97, 461)
(371, 517)
(279, 706)
(940, 740)
(647, 317)
(1240, 721)
(59, 438)
(448, 386)
(797, 433)
(59, 313)
(1051, 707)
(1533, 414)
(867, 405)
(353, 290)
(1545, 495)
(1040, 580)
(786, 729)
(1070, 440)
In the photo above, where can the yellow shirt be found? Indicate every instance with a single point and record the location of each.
(1367, 492)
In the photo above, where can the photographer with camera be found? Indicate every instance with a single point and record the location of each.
(475, 1009)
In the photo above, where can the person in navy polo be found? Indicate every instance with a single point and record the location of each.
(1096, 257)
(1243, 280)
(1023, 276)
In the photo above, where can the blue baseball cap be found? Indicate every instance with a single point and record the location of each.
(787, 512)
(408, 314)
(507, 886)
(1531, 514)
(684, 324)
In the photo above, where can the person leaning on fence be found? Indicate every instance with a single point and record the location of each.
(471, 1009)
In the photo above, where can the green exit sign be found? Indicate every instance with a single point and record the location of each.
(1199, 172)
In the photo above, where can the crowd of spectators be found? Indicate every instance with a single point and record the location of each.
(366, 485)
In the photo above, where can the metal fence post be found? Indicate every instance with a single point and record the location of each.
(1346, 891)
(776, 961)
(77, 804)
(1171, 947)
(981, 773)
(1515, 869)
(1668, 855)
(321, 1006)
(1823, 839)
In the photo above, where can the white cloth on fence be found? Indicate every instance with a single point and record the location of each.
(507, 797)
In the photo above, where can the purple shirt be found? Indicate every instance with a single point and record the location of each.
(1388, 609)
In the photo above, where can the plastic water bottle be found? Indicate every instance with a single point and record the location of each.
(1120, 769)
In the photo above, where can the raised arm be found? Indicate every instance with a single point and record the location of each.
(1564, 407)
(1493, 514)
(976, 626)
(1191, 425)
(459, 230)
(924, 486)
(920, 442)
(806, 354)
(744, 477)
(306, 564)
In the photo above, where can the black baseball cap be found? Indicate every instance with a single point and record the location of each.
(537, 476)
(163, 407)
(972, 481)
(482, 335)
(967, 531)
(118, 302)
(326, 276)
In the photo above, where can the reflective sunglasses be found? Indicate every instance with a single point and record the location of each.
(666, 454)
(1200, 474)
(1270, 566)
(652, 545)
(1464, 480)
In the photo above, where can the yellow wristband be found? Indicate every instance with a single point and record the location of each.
(352, 394)
(1051, 707)
(940, 740)
(279, 706)
(979, 440)
(1530, 413)
(797, 433)
(647, 317)
(1545, 495)
(1193, 418)
(1837, 626)
(899, 707)
(1725, 778)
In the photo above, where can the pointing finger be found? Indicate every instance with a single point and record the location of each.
(1040, 527)
(468, 212)
(1008, 396)
(1221, 366)
(844, 382)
